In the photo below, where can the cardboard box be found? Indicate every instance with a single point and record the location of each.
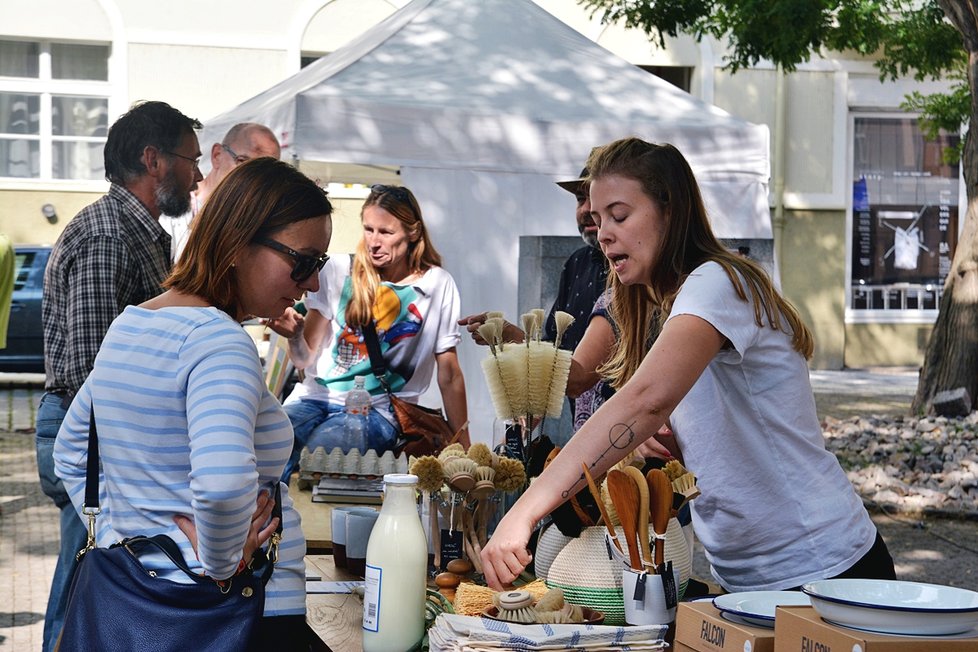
(701, 628)
(681, 647)
(800, 629)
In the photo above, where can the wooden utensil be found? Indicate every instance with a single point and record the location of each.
(625, 498)
(643, 514)
(660, 498)
(604, 512)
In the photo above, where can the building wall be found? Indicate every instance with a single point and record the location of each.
(884, 345)
(813, 279)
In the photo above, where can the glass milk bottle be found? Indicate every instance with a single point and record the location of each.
(395, 577)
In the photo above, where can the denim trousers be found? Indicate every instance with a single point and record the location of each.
(320, 423)
(50, 414)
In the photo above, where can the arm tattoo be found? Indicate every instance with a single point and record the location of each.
(620, 437)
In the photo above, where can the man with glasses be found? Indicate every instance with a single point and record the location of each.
(114, 253)
(243, 142)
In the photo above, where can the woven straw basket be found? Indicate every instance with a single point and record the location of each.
(583, 571)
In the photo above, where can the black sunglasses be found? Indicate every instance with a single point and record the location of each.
(400, 192)
(305, 265)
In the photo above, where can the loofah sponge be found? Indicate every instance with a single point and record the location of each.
(552, 600)
(673, 470)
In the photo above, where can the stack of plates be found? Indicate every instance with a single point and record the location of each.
(756, 607)
(894, 607)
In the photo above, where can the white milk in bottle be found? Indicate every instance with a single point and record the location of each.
(395, 577)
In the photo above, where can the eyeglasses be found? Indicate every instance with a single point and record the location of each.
(304, 266)
(238, 158)
(195, 161)
(400, 192)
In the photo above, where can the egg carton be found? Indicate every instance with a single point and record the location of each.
(353, 465)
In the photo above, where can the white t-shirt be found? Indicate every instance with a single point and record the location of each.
(414, 322)
(776, 508)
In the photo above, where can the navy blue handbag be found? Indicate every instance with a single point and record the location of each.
(115, 603)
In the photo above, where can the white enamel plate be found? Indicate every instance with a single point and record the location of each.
(757, 607)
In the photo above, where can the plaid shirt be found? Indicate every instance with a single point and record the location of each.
(111, 255)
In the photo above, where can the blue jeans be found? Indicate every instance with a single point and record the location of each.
(74, 534)
(319, 423)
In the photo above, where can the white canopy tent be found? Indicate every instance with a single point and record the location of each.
(482, 106)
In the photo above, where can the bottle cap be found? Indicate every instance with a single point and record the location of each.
(400, 478)
(359, 380)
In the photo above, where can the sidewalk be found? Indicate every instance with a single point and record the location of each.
(29, 532)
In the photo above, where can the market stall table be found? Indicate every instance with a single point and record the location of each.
(335, 619)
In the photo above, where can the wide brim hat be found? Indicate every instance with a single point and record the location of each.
(574, 185)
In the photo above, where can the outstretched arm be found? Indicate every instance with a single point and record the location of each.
(681, 353)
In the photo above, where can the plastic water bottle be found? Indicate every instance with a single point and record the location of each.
(357, 408)
(396, 571)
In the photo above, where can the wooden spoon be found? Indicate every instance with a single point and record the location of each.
(660, 492)
(625, 497)
(643, 514)
(604, 512)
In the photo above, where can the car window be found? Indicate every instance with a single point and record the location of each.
(24, 261)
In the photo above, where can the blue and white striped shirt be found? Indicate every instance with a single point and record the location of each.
(186, 426)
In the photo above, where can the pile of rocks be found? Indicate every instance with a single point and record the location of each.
(926, 465)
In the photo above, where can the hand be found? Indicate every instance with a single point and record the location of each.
(511, 332)
(291, 324)
(505, 555)
(472, 324)
(661, 445)
(257, 535)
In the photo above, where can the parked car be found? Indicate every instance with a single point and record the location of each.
(25, 339)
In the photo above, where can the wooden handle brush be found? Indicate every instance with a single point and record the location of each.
(625, 497)
(604, 512)
(660, 491)
(643, 513)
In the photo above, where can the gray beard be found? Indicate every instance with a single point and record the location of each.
(590, 239)
(168, 200)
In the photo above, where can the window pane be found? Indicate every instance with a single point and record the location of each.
(20, 158)
(20, 113)
(23, 263)
(74, 160)
(19, 59)
(79, 116)
(905, 215)
(74, 61)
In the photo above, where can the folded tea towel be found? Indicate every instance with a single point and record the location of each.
(454, 633)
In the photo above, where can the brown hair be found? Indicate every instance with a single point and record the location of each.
(639, 310)
(256, 199)
(422, 255)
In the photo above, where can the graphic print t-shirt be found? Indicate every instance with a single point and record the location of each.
(414, 322)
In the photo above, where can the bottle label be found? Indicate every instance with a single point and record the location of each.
(371, 598)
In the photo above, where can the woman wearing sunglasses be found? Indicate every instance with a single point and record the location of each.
(190, 438)
(396, 281)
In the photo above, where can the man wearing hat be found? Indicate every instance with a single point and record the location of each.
(583, 278)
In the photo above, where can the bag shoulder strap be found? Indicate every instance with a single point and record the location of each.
(377, 363)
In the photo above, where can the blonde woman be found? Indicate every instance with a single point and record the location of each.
(395, 279)
(728, 371)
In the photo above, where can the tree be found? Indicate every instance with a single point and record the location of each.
(928, 39)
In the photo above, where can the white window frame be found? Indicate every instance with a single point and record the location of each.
(46, 87)
(860, 316)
